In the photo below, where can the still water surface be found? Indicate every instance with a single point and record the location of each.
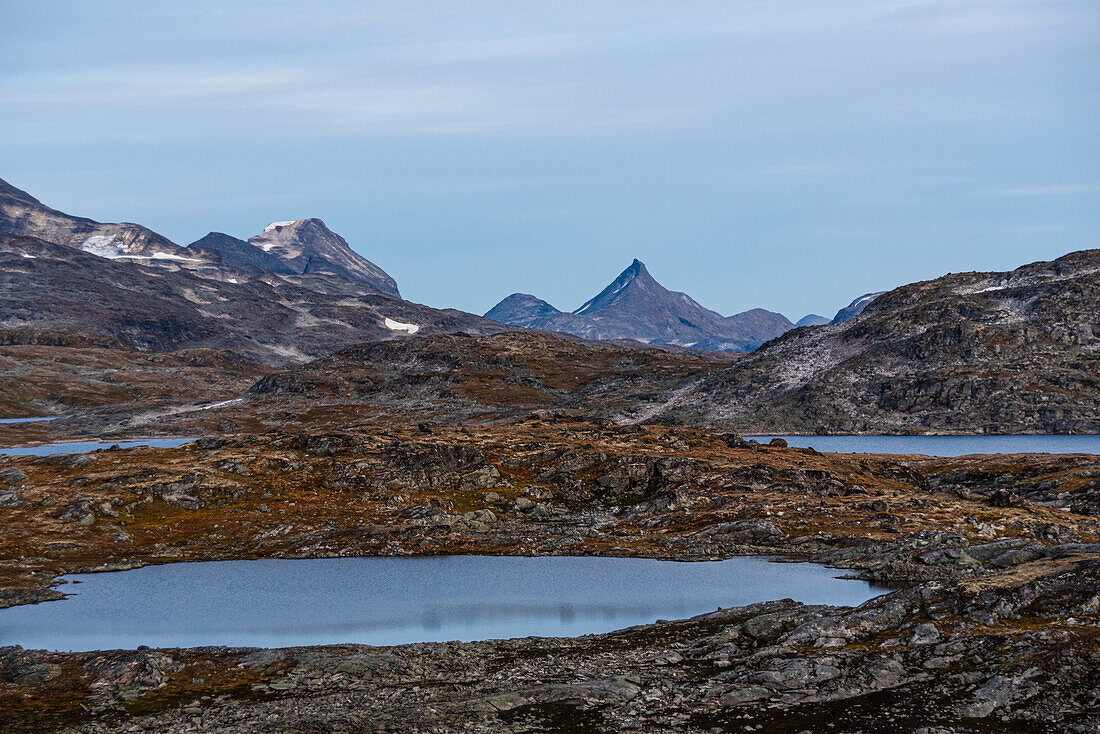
(84, 447)
(947, 445)
(385, 601)
(928, 445)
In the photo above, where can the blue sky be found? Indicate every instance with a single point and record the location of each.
(780, 154)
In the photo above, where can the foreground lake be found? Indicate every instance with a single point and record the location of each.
(386, 601)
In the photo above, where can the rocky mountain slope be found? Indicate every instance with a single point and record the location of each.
(300, 247)
(132, 286)
(22, 214)
(635, 306)
(144, 307)
(1015, 352)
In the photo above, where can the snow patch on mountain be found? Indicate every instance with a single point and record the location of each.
(104, 246)
(108, 246)
(400, 326)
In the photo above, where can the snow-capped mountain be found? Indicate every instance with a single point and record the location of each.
(300, 247)
(635, 306)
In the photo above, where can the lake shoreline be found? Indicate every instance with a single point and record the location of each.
(964, 530)
(759, 665)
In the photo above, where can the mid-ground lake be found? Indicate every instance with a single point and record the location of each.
(928, 445)
(84, 447)
(386, 601)
(948, 445)
(14, 421)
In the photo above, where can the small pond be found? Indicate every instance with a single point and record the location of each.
(947, 445)
(386, 601)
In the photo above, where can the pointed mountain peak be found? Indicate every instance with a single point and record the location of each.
(636, 269)
(635, 276)
(635, 306)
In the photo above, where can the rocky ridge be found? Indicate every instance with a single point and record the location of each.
(1014, 352)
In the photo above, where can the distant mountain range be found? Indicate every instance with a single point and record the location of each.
(635, 306)
(294, 292)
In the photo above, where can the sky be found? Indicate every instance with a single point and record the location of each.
(782, 154)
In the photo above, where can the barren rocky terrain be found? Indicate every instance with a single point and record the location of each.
(1015, 352)
(997, 619)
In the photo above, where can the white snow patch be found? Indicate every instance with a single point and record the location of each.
(104, 246)
(29, 257)
(398, 326)
(992, 288)
(233, 280)
(221, 404)
(276, 225)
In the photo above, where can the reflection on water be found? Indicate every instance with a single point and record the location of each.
(947, 445)
(381, 601)
(83, 447)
